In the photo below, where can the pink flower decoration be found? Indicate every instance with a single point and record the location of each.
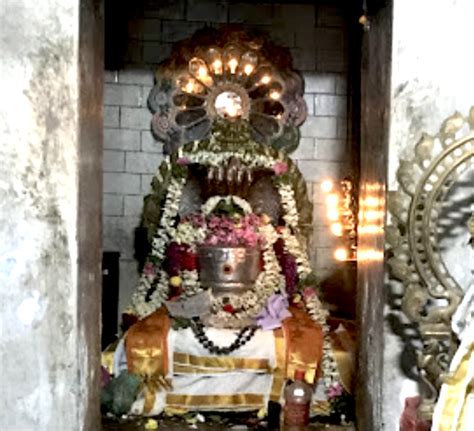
(149, 269)
(308, 292)
(280, 168)
(183, 161)
(227, 231)
(335, 390)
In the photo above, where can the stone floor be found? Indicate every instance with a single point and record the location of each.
(173, 425)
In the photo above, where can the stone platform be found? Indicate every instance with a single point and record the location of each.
(175, 425)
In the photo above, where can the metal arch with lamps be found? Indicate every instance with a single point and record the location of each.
(236, 77)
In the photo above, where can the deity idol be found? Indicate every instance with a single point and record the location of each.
(227, 306)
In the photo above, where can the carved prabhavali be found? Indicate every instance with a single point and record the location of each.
(431, 294)
(227, 73)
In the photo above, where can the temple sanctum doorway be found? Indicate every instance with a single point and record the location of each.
(220, 171)
(270, 82)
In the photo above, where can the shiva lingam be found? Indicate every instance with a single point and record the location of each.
(227, 303)
(227, 270)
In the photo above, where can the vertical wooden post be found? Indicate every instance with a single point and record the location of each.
(375, 110)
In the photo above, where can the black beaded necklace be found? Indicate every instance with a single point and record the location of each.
(243, 337)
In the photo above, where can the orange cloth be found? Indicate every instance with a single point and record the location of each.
(147, 353)
(304, 345)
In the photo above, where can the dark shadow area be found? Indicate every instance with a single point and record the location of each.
(338, 291)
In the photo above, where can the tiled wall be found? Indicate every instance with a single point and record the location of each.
(316, 36)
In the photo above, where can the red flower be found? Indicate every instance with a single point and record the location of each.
(189, 261)
(174, 292)
(228, 308)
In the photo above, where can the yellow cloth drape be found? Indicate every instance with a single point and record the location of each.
(454, 410)
(304, 345)
(218, 363)
(209, 401)
(107, 357)
(455, 394)
(147, 354)
(279, 373)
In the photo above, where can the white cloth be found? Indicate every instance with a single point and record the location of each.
(262, 344)
(191, 380)
(223, 385)
(464, 314)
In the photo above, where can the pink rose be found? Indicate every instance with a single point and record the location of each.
(335, 390)
(149, 269)
(280, 168)
(183, 161)
(308, 292)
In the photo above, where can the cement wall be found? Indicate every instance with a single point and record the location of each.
(317, 38)
(49, 344)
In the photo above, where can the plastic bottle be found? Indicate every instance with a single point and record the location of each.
(298, 396)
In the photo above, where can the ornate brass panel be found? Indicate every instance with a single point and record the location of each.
(431, 293)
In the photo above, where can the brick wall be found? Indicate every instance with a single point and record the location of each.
(316, 35)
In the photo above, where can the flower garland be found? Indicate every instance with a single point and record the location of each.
(156, 285)
(290, 212)
(211, 204)
(152, 281)
(330, 372)
(293, 247)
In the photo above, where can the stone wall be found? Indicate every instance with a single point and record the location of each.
(50, 189)
(317, 38)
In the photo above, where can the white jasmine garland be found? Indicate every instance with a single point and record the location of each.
(170, 211)
(290, 212)
(143, 307)
(186, 233)
(328, 364)
(293, 247)
(217, 159)
(210, 205)
(190, 282)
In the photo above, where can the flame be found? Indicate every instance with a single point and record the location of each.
(327, 186)
(248, 69)
(233, 63)
(217, 66)
(341, 254)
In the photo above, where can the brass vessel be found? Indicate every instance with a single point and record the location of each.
(228, 270)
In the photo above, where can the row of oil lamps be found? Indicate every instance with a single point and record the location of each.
(229, 65)
(349, 218)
